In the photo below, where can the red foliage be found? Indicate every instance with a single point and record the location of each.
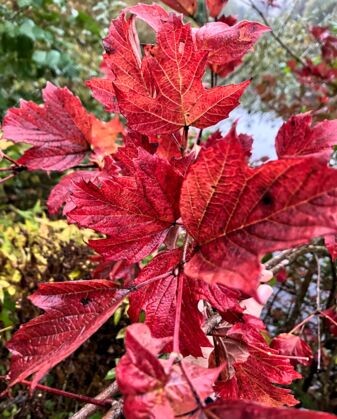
(187, 220)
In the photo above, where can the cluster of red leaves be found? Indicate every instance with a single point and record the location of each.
(203, 215)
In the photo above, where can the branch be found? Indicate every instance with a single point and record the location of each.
(275, 36)
(279, 261)
(90, 409)
(79, 397)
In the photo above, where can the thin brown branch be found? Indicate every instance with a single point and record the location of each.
(275, 36)
(90, 409)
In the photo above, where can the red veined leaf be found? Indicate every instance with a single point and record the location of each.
(60, 193)
(164, 91)
(151, 387)
(126, 154)
(215, 7)
(158, 300)
(227, 45)
(252, 373)
(60, 130)
(135, 212)
(73, 312)
(245, 140)
(187, 7)
(296, 137)
(236, 214)
(288, 344)
(52, 158)
(104, 92)
(242, 409)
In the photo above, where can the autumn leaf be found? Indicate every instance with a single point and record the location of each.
(227, 45)
(243, 409)
(252, 373)
(294, 346)
(297, 137)
(152, 387)
(104, 135)
(73, 312)
(60, 130)
(215, 7)
(158, 300)
(135, 212)
(187, 7)
(163, 91)
(236, 214)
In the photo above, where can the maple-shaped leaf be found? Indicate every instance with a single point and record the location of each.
(227, 45)
(292, 345)
(236, 214)
(73, 312)
(158, 300)
(187, 7)
(135, 212)
(297, 137)
(60, 130)
(253, 373)
(215, 7)
(243, 409)
(153, 388)
(163, 92)
(104, 135)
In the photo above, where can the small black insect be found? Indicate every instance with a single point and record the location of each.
(85, 301)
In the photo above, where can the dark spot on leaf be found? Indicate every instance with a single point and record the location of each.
(213, 186)
(85, 301)
(267, 199)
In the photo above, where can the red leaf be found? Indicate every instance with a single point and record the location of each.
(104, 92)
(235, 212)
(73, 312)
(153, 14)
(60, 130)
(187, 7)
(227, 45)
(52, 158)
(152, 388)
(291, 345)
(241, 409)
(253, 377)
(104, 135)
(331, 245)
(62, 190)
(245, 140)
(136, 212)
(158, 300)
(164, 91)
(296, 137)
(215, 7)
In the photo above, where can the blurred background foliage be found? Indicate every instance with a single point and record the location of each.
(60, 41)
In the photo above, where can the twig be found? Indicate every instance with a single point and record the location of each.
(90, 409)
(275, 36)
(79, 397)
